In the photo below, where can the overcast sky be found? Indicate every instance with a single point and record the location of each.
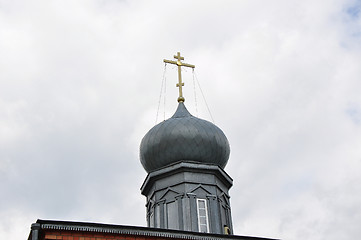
(80, 84)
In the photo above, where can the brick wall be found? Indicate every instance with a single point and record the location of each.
(71, 235)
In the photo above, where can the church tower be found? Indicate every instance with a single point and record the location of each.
(186, 187)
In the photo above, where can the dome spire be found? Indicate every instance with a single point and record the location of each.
(180, 84)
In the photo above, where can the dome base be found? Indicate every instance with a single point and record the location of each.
(178, 194)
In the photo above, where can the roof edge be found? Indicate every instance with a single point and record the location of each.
(135, 230)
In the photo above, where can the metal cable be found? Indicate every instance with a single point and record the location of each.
(160, 94)
(195, 95)
(210, 114)
(165, 93)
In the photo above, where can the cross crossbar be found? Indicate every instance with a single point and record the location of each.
(180, 64)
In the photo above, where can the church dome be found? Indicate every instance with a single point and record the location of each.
(183, 137)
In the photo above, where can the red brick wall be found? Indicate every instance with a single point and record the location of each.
(71, 235)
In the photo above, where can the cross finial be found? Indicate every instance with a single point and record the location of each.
(180, 84)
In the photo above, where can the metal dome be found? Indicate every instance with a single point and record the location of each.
(183, 137)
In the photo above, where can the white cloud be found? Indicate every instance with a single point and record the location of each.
(79, 87)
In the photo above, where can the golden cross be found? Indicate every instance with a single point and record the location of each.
(180, 84)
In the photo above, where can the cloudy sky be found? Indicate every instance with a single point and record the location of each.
(80, 85)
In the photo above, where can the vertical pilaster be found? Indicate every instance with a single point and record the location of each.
(214, 215)
(161, 214)
(193, 211)
(180, 211)
(229, 219)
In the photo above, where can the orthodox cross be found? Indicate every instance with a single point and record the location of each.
(180, 84)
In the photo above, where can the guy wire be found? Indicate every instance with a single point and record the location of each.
(195, 95)
(210, 114)
(161, 91)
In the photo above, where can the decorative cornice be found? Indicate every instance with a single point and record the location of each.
(185, 166)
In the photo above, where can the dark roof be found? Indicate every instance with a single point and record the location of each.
(183, 137)
(133, 230)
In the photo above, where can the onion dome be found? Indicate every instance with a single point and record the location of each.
(183, 137)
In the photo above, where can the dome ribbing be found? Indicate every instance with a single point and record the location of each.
(183, 137)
